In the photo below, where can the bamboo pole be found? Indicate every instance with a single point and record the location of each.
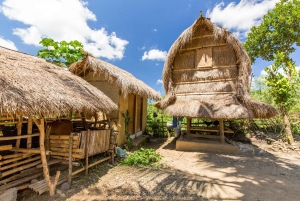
(11, 122)
(40, 124)
(20, 181)
(20, 168)
(65, 150)
(62, 137)
(70, 158)
(32, 151)
(87, 152)
(5, 147)
(29, 132)
(13, 159)
(18, 137)
(19, 129)
(222, 137)
(19, 163)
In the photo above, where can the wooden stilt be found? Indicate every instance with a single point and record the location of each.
(188, 127)
(40, 124)
(47, 140)
(222, 137)
(87, 152)
(19, 129)
(29, 132)
(70, 158)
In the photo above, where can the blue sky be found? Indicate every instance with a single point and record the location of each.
(134, 35)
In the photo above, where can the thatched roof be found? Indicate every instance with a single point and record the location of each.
(121, 78)
(206, 75)
(32, 85)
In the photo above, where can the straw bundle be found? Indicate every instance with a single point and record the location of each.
(31, 85)
(114, 75)
(206, 74)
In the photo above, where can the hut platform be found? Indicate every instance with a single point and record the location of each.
(210, 145)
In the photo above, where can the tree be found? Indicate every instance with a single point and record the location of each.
(274, 40)
(61, 53)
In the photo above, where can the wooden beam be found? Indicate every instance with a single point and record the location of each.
(204, 68)
(29, 132)
(24, 167)
(14, 159)
(63, 137)
(31, 151)
(18, 137)
(20, 163)
(206, 81)
(5, 147)
(208, 93)
(203, 46)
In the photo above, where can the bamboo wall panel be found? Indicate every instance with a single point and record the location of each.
(185, 60)
(223, 56)
(98, 141)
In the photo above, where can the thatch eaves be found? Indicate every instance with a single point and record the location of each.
(32, 85)
(206, 75)
(122, 79)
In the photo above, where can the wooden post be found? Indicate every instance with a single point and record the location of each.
(87, 152)
(70, 158)
(40, 125)
(19, 129)
(29, 132)
(188, 127)
(47, 140)
(222, 137)
(84, 120)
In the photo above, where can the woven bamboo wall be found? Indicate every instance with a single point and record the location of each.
(206, 64)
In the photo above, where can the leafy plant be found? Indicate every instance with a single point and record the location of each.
(142, 157)
(61, 53)
(126, 117)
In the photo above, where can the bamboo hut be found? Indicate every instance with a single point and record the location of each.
(128, 92)
(36, 89)
(206, 75)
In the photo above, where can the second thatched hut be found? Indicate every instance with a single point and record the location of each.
(128, 92)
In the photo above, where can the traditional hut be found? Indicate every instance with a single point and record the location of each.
(206, 75)
(36, 89)
(129, 93)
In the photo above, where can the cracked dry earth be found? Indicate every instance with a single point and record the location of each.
(255, 173)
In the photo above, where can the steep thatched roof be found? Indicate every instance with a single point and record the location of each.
(206, 75)
(121, 78)
(33, 86)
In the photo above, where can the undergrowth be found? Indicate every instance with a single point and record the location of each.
(142, 157)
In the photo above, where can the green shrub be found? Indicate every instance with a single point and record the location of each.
(142, 157)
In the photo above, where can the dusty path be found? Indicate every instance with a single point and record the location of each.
(252, 174)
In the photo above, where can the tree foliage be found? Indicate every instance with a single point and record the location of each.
(274, 40)
(61, 53)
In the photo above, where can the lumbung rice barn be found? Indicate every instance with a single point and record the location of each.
(206, 75)
(33, 95)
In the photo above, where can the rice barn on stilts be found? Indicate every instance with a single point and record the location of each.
(206, 75)
(32, 93)
(128, 92)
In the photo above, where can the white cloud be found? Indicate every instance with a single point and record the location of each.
(242, 16)
(8, 44)
(155, 54)
(159, 81)
(62, 20)
(156, 64)
(263, 73)
(155, 30)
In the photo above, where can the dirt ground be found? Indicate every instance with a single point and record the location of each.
(256, 173)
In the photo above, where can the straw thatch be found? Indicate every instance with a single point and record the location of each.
(206, 75)
(32, 85)
(127, 83)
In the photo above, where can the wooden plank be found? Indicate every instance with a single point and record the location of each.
(50, 162)
(205, 136)
(42, 187)
(12, 156)
(65, 150)
(32, 151)
(62, 137)
(12, 122)
(14, 159)
(204, 68)
(5, 147)
(20, 181)
(20, 163)
(79, 156)
(211, 129)
(20, 168)
(23, 173)
(66, 146)
(63, 142)
(204, 46)
(18, 137)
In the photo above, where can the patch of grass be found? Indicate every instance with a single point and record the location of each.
(142, 157)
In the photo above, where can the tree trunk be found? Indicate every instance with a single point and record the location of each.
(40, 125)
(287, 128)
